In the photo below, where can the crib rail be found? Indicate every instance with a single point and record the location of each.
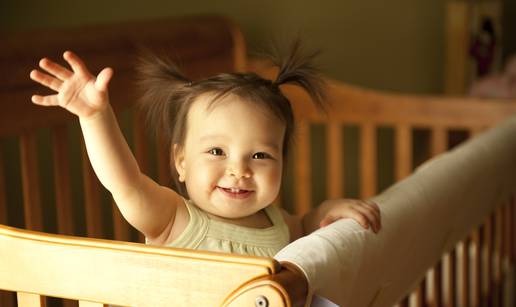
(101, 272)
(478, 271)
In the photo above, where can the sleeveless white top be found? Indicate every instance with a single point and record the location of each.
(204, 233)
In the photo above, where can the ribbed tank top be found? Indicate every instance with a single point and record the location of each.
(204, 233)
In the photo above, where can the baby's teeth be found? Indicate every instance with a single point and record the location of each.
(234, 190)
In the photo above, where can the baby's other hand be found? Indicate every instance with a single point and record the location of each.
(78, 91)
(367, 214)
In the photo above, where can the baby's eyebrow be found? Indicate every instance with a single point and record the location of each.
(271, 146)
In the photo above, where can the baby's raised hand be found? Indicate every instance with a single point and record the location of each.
(78, 90)
(367, 214)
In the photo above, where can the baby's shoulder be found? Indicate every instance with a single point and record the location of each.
(174, 228)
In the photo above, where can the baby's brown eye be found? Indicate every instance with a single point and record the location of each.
(261, 155)
(216, 151)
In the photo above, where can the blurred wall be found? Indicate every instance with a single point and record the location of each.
(394, 45)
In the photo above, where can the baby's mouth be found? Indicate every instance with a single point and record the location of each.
(235, 192)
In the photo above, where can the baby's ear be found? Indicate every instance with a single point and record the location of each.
(179, 161)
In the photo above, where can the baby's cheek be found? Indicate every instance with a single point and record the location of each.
(208, 177)
(273, 183)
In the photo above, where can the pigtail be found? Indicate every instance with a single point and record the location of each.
(163, 86)
(298, 68)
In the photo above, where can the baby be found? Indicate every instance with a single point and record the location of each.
(228, 137)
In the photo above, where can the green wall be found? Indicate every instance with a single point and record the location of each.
(393, 45)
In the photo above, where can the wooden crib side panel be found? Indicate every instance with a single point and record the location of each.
(369, 110)
(462, 277)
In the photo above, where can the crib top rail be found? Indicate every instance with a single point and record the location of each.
(116, 46)
(126, 272)
(353, 104)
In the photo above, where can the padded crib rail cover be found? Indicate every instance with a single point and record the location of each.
(423, 216)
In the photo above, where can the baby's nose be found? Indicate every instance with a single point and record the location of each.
(238, 170)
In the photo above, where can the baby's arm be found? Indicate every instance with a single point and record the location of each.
(145, 205)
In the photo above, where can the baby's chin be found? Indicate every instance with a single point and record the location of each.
(231, 211)
(233, 214)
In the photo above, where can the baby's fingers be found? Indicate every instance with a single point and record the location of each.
(370, 218)
(55, 69)
(375, 209)
(103, 79)
(45, 100)
(75, 62)
(46, 80)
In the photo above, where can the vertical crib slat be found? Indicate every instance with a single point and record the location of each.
(30, 182)
(368, 160)
(510, 231)
(506, 251)
(303, 174)
(417, 296)
(92, 201)
(90, 304)
(439, 140)
(475, 268)
(30, 300)
(486, 262)
(403, 151)
(497, 257)
(463, 277)
(334, 161)
(508, 236)
(433, 286)
(449, 268)
(65, 223)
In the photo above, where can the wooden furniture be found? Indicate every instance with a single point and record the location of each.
(478, 271)
(46, 183)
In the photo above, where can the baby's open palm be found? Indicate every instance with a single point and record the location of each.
(78, 90)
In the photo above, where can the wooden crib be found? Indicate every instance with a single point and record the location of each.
(48, 187)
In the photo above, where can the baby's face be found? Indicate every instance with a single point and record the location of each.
(232, 158)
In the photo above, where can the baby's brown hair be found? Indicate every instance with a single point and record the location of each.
(168, 95)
